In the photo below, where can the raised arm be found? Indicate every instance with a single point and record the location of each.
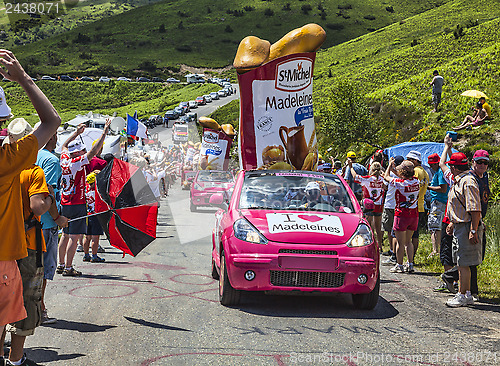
(97, 146)
(49, 118)
(448, 144)
(390, 168)
(79, 130)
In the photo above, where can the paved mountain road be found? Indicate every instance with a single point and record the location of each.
(161, 308)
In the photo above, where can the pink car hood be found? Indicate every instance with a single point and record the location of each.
(304, 227)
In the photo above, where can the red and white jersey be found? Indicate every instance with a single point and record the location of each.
(73, 179)
(373, 188)
(406, 196)
(90, 197)
(448, 177)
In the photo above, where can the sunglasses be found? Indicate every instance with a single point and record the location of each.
(482, 162)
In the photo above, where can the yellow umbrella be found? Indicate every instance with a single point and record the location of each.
(474, 94)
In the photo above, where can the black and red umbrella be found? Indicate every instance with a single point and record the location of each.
(126, 207)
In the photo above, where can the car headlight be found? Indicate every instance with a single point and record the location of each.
(361, 237)
(244, 230)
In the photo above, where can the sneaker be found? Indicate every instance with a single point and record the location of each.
(475, 297)
(24, 361)
(71, 272)
(45, 318)
(87, 258)
(449, 285)
(409, 268)
(441, 288)
(79, 248)
(389, 261)
(459, 300)
(101, 250)
(97, 259)
(60, 269)
(398, 268)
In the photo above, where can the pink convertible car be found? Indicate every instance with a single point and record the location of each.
(208, 182)
(293, 231)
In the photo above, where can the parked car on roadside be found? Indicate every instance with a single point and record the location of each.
(192, 116)
(156, 119)
(142, 79)
(47, 77)
(173, 80)
(66, 78)
(200, 100)
(171, 114)
(86, 78)
(184, 119)
(157, 80)
(123, 78)
(180, 111)
(214, 95)
(104, 79)
(222, 93)
(208, 98)
(193, 104)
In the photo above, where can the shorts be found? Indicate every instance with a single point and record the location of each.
(94, 226)
(436, 215)
(11, 293)
(446, 249)
(50, 256)
(436, 98)
(477, 123)
(404, 223)
(464, 253)
(388, 219)
(32, 295)
(74, 211)
(421, 220)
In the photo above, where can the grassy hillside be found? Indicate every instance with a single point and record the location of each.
(121, 97)
(202, 32)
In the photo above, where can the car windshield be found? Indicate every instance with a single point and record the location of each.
(287, 191)
(214, 176)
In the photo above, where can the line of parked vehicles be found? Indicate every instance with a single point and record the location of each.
(105, 79)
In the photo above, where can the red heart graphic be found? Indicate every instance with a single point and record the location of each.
(310, 218)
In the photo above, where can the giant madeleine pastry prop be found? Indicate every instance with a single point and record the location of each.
(253, 51)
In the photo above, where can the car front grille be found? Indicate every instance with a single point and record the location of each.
(300, 251)
(307, 279)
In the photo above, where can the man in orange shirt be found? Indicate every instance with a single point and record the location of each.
(36, 201)
(14, 158)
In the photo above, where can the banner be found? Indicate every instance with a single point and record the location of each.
(277, 128)
(215, 148)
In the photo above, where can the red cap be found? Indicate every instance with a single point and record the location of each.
(458, 158)
(433, 159)
(481, 155)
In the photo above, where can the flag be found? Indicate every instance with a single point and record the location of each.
(136, 128)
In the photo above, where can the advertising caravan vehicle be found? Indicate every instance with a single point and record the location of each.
(179, 133)
(208, 182)
(297, 231)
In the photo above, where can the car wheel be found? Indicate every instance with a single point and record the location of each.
(227, 294)
(215, 274)
(192, 207)
(367, 301)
